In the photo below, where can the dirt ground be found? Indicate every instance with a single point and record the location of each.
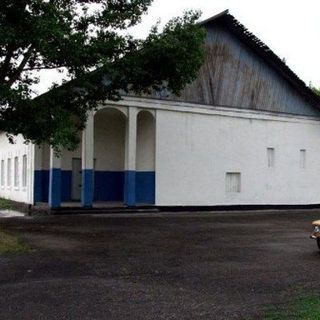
(158, 266)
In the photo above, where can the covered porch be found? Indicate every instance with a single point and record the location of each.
(114, 164)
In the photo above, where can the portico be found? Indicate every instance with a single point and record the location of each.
(115, 162)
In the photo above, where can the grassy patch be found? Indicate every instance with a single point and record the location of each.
(5, 204)
(307, 307)
(10, 244)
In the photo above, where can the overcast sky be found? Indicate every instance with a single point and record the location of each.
(291, 28)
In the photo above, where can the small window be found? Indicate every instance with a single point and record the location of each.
(233, 182)
(303, 155)
(2, 173)
(271, 157)
(24, 171)
(9, 172)
(16, 172)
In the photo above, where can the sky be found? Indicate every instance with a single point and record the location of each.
(291, 28)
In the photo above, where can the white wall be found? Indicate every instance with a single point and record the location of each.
(42, 157)
(109, 137)
(196, 146)
(67, 156)
(18, 149)
(145, 141)
(109, 148)
(195, 149)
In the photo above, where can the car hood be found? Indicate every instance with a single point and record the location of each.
(316, 223)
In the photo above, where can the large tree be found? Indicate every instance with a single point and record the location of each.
(315, 89)
(86, 40)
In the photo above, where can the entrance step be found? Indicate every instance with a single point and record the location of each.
(101, 210)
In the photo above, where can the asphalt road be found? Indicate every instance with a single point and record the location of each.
(176, 266)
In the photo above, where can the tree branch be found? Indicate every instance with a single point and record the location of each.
(42, 68)
(6, 63)
(19, 70)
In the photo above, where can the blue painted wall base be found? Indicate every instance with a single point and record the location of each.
(87, 188)
(66, 185)
(55, 188)
(129, 195)
(129, 187)
(41, 186)
(108, 186)
(145, 187)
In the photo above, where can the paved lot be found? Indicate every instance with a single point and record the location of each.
(191, 266)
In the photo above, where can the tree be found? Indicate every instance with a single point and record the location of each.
(315, 89)
(84, 38)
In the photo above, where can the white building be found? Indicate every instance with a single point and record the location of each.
(246, 132)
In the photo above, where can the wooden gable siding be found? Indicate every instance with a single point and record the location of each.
(233, 75)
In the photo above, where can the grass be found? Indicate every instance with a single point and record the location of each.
(5, 204)
(306, 307)
(11, 244)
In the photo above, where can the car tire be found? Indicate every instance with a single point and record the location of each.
(318, 242)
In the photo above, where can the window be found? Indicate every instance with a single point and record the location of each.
(271, 157)
(9, 172)
(303, 155)
(24, 171)
(233, 182)
(2, 173)
(16, 172)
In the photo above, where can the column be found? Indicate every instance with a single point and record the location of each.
(87, 163)
(130, 159)
(55, 180)
(37, 170)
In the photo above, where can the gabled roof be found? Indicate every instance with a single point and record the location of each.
(228, 21)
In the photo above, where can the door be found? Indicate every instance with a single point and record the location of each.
(76, 179)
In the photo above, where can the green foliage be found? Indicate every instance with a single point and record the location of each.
(314, 89)
(306, 307)
(10, 244)
(82, 38)
(5, 204)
